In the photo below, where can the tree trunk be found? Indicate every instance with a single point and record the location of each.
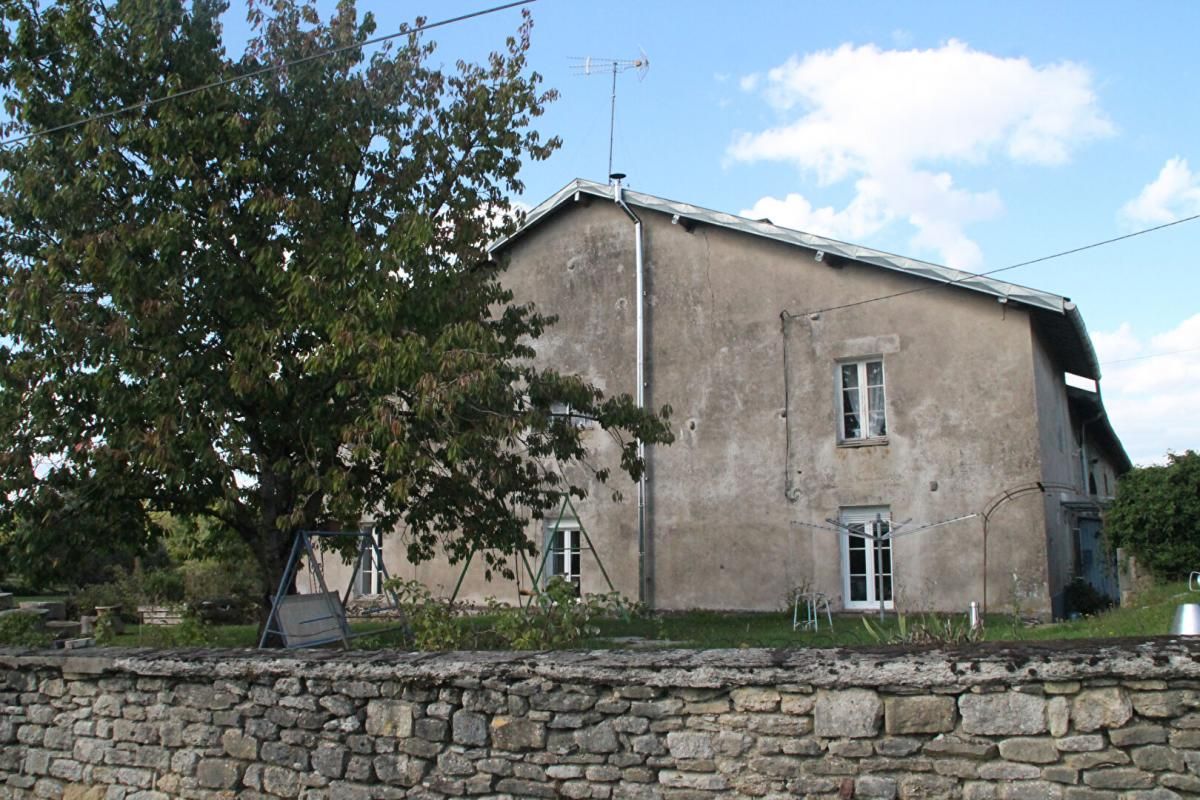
(271, 550)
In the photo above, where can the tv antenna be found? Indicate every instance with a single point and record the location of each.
(588, 65)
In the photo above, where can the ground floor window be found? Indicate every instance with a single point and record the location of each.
(564, 554)
(866, 563)
(370, 568)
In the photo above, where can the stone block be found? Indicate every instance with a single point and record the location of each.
(452, 763)
(755, 699)
(1033, 750)
(1119, 778)
(875, 787)
(281, 781)
(1060, 774)
(521, 788)
(1029, 790)
(1137, 734)
(238, 745)
(687, 744)
(1094, 709)
(958, 746)
(390, 718)
(922, 787)
(1082, 743)
(1058, 716)
(702, 781)
(1003, 714)
(598, 739)
(1008, 771)
(897, 746)
(919, 714)
(1158, 758)
(1100, 758)
(218, 773)
(330, 760)
(848, 713)
(517, 733)
(1163, 705)
(401, 770)
(469, 728)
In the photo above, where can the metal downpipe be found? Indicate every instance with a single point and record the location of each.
(645, 565)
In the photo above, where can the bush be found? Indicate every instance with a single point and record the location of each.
(558, 619)
(23, 630)
(935, 629)
(129, 590)
(1083, 599)
(1156, 514)
(223, 592)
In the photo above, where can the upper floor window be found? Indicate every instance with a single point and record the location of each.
(860, 390)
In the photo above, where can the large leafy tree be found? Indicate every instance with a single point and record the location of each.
(270, 301)
(1156, 515)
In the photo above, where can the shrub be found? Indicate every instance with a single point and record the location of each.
(1155, 513)
(557, 619)
(220, 591)
(23, 630)
(929, 629)
(1082, 598)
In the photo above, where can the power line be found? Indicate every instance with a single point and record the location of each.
(969, 276)
(1151, 355)
(263, 71)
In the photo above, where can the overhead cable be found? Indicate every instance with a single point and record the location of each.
(262, 71)
(972, 275)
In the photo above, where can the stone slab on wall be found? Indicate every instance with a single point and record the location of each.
(1089, 721)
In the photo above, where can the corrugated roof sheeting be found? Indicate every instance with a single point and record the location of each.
(866, 255)
(1092, 407)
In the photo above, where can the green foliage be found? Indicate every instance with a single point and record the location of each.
(1083, 599)
(1156, 515)
(269, 303)
(559, 619)
(189, 633)
(938, 629)
(104, 630)
(130, 589)
(23, 630)
(222, 590)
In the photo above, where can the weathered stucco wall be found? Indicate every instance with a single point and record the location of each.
(1084, 722)
(756, 451)
(724, 533)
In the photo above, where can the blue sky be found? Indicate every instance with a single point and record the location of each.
(973, 134)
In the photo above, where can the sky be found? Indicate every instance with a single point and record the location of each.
(969, 134)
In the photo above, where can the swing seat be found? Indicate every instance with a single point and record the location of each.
(312, 619)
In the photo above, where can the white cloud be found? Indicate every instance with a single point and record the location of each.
(1173, 194)
(893, 120)
(1153, 401)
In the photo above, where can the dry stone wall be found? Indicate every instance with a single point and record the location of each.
(1088, 722)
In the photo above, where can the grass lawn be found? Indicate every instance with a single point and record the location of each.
(705, 629)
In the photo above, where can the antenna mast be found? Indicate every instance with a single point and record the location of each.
(586, 65)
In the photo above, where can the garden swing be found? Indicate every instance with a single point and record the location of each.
(319, 618)
(537, 590)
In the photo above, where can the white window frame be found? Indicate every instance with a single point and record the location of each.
(369, 582)
(565, 410)
(865, 407)
(869, 517)
(571, 549)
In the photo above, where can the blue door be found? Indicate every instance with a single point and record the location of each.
(1096, 565)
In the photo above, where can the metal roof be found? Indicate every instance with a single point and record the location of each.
(1060, 320)
(1099, 426)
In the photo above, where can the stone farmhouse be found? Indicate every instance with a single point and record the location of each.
(817, 387)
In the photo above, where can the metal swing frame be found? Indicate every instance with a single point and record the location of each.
(332, 608)
(536, 591)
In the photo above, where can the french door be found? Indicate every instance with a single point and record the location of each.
(866, 562)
